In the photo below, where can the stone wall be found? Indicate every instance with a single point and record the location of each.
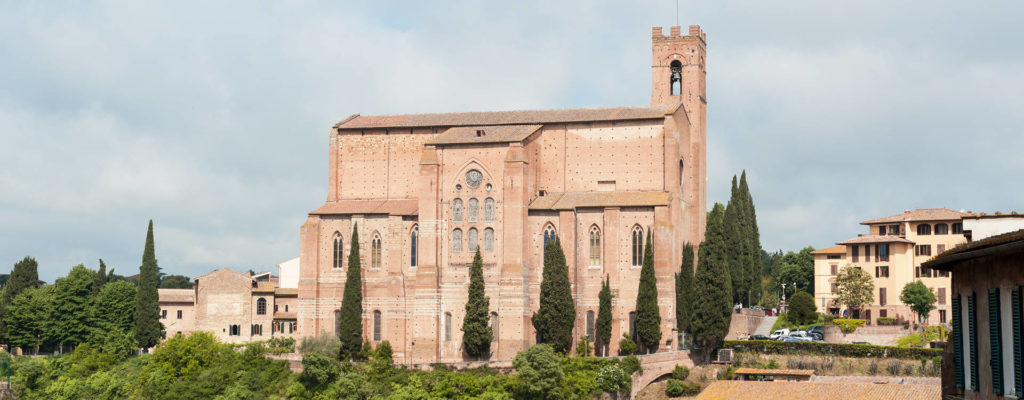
(878, 335)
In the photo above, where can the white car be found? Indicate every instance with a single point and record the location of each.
(778, 334)
(801, 336)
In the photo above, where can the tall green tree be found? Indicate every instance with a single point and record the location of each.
(99, 279)
(175, 282)
(684, 290)
(712, 298)
(855, 287)
(24, 275)
(476, 333)
(116, 305)
(29, 317)
(648, 314)
(148, 329)
(73, 317)
(350, 329)
(753, 238)
(554, 320)
(801, 309)
(604, 316)
(796, 268)
(735, 244)
(919, 298)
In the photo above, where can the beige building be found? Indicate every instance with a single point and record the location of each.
(892, 253)
(427, 190)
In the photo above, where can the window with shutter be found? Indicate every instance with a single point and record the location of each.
(1018, 356)
(958, 351)
(995, 339)
(972, 327)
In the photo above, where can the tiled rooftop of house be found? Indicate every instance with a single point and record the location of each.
(176, 295)
(504, 117)
(485, 134)
(838, 249)
(814, 390)
(876, 239)
(920, 214)
(763, 371)
(941, 261)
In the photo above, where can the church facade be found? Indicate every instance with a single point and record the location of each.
(426, 191)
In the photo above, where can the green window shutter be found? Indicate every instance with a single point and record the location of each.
(958, 343)
(972, 328)
(995, 340)
(1018, 356)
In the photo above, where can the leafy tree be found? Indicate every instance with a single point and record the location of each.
(100, 278)
(855, 287)
(684, 290)
(72, 319)
(350, 329)
(796, 268)
(476, 333)
(538, 373)
(29, 315)
(648, 315)
(318, 371)
(24, 275)
(553, 321)
(604, 316)
(734, 242)
(176, 282)
(919, 298)
(115, 306)
(801, 309)
(148, 328)
(712, 299)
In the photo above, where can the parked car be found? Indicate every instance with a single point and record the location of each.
(758, 337)
(779, 333)
(792, 339)
(816, 329)
(799, 336)
(817, 337)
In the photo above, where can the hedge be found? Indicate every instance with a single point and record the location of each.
(886, 321)
(848, 324)
(835, 349)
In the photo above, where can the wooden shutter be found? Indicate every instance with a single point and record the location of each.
(972, 327)
(958, 339)
(995, 339)
(1018, 356)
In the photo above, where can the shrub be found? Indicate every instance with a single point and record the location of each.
(612, 379)
(873, 368)
(802, 309)
(631, 365)
(908, 369)
(538, 373)
(673, 388)
(886, 321)
(690, 388)
(680, 372)
(583, 348)
(771, 364)
(831, 349)
(848, 325)
(893, 367)
(727, 374)
(626, 345)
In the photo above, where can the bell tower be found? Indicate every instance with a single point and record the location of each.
(678, 72)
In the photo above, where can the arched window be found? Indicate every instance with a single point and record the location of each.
(638, 246)
(549, 234)
(375, 251)
(677, 77)
(261, 306)
(488, 239)
(924, 229)
(457, 210)
(680, 175)
(413, 249)
(595, 246)
(457, 240)
(338, 250)
(590, 325)
(958, 228)
(941, 229)
(447, 326)
(376, 325)
(488, 209)
(494, 325)
(471, 240)
(473, 210)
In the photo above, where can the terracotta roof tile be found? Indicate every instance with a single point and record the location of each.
(504, 117)
(814, 390)
(876, 239)
(392, 207)
(573, 200)
(920, 214)
(176, 295)
(838, 249)
(764, 371)
(485, 134)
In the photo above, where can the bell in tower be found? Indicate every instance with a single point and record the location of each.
(677, 78)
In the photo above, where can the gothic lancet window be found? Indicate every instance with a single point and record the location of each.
(376, 325)
(471, 240)
(638, 246)
(457, 241)
(338, 250)
(549, 234)
(488, 209)
(488, 239)
(595, 246)
(413, 249)
(457, 210)
(473, 210)
(375, 251)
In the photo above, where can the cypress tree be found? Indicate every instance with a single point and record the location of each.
(712, 292)
(735, 245)
(554, 320)
(350, 329)
(25, 275)
(604, 316)
(648, 315)
(684, 290)
(476, 334)
(753, 238)
(148, 328)
(100, 279)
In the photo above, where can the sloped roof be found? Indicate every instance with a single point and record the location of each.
(765, 371)
(838, 249)
(876, 239)
(176, 295)
(815, 390)
(517, 117)
(920, 214)
(947, 259)
(391, 207)
(485, 134)
(573, 200)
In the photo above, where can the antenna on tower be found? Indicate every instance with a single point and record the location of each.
(677, 12)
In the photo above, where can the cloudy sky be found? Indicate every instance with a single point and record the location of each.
(211, 118)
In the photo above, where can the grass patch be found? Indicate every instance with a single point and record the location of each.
(921, 339)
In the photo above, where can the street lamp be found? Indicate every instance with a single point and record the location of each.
(783, 292)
